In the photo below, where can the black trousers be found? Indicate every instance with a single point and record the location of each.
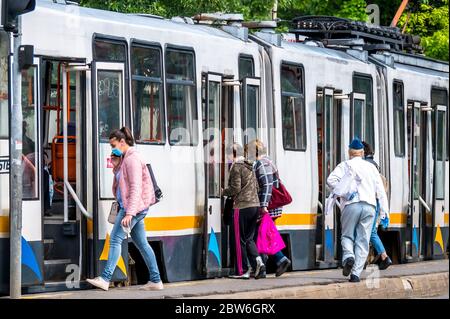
(247, 228)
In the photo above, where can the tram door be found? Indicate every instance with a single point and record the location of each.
(62, 175)
(421, 175)
(31, 187)
(108, 113)
(328, 137)
(213, 157)
(440, 182)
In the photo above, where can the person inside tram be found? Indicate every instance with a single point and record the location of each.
(358, 184)
(243, 188)
(28, 164)
(28, 145)
(382, 257)
(133, 190)
(266, 174)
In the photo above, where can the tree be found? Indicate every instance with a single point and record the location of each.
(430, 22)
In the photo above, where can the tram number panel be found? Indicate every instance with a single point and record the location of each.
(4, 165)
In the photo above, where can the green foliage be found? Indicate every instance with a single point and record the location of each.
(352, 9)
(431, 23)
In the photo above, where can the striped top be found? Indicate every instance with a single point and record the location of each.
(266, 173)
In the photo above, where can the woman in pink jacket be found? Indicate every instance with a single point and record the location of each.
(134, 192)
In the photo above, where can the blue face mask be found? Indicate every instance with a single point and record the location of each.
(117, 152)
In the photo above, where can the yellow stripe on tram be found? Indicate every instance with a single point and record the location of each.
(446, 218)
(287, 219)
(4, 224)
(398, 218)
(173, 223)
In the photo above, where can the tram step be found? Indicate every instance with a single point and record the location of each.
(57, 270)
(57, 244)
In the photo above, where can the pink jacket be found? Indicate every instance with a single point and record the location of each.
(136, 187)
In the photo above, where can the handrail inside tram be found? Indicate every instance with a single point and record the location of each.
(76, 199)
(424, 204)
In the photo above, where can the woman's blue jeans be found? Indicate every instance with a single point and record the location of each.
(374, 238)
(118, 235)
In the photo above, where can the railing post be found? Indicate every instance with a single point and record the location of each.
(16, 172)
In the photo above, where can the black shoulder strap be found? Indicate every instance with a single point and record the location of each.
(150, 170)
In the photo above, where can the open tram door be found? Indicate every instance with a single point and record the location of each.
(419, 219)
(213, 158)
(440, 182)
(108, 113)
(62, 173)
(329, 147)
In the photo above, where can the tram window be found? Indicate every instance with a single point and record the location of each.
(105, 50)
(29, 136)
(109, 102)
(438, 97)
(363, 84)
(53, 98)
(149, 124)
(246, 67)
(440, 156)
(4, 51)
(249, 113)
(399, 120)
(293, 107)
(181, 98)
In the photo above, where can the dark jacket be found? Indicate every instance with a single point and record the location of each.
(242, 185)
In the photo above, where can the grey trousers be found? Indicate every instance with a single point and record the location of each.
(357, 221)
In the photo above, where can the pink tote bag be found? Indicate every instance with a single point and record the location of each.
(269, 240)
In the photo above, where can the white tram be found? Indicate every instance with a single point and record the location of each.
(187, 90)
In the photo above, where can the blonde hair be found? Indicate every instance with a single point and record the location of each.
(255, 149)
(355, 153)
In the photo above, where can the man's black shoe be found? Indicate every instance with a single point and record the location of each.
(354, 278)
(384, 264)
(348, 265)
(262, 274)
(282, 267)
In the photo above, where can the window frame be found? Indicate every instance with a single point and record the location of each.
(302, 95)
(149, 45)
(434, 105)
(127, 81)
(396, 108)
(193, 83)
(369, 77)
(248, 57)
(37, 110)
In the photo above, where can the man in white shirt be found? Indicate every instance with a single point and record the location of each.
(358, 207)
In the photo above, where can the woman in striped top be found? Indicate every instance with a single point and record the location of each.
(267, 175)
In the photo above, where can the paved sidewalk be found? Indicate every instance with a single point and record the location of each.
(429, 275)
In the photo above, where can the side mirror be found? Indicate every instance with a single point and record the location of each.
(11, 9)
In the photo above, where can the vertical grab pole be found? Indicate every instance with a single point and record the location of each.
(66, 195)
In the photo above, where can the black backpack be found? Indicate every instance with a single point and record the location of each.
(158, 192)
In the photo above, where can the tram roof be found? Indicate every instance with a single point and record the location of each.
(326, 52)
(136, 20)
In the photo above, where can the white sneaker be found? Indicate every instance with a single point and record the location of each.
(153, 286)
(243, 276)
(99, 282)
(259, 267)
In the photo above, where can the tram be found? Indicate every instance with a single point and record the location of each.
(187, 88)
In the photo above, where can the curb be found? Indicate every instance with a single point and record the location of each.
(415, 286)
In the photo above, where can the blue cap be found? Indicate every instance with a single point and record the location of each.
(356, 144)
